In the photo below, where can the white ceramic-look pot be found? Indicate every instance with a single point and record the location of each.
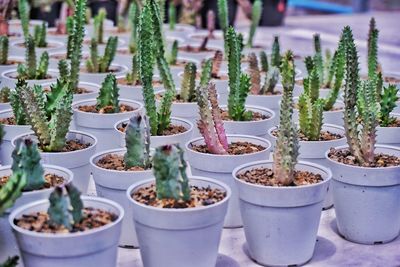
(11, 66)
(18, 47)
(389, 135)
(96, 247)
(220, 167)
(172, 237)
(102, 125)
(120, 70)
(281, 223)
(8, 80)
(76, 161)
(156, 141)
(112, 184)
(135, 92)
(31, 196)
(11, 131)
(367, 200)
(92, 88)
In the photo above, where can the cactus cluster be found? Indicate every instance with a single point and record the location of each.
(210, 123)
(271, 75)
(287, 144)
(255, 20)
(239, 83)
(137, 143)
(5, 94)
(65, 206)
(23, 12)
(107, 100)
(39, 35)
(3, 50)
(98, 25)
(30, 70)
(101, 64)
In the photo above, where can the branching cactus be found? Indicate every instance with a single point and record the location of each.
(188, 84)
(98, 25)
(173, 55)
(132, 77)
(107, 100)
(216, 64)
(255, 20)
(98, 64)
(276, 53)
(23, 12)
(3, 50)
(5, 94)
(211, 23)
(210, 123)
(16, 104)
(172, 15)
(31, 70)
(137, 143)
(40, 35)
(169, 169)
(65, 207)
(372, 49)
(287, 145)
(388, 101)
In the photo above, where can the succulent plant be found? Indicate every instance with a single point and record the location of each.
(69, 28)
(216, 64)
(255, 20)
(210, 123)
(372, 49)
(5, 94)
(206, 72)
(388, 101)
(264, 61)
(172, 15)
(23, 12)
(271, 75)
(101, 64)
(287, 144)
(10, 262)
(3, 50)
(169, 169)
(132, 77)
(39, 35)
(65, 208)
(173, 55)
(133, 19)
(222, 7)
(16, 104)
(276, 53)
(31, 70)
(98, 25)
(188, 84)
(137, 143)
(107, 100)
(210, 23)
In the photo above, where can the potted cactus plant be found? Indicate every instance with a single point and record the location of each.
(275, 196)
(98, 116)
(5, 94)
(6, 61)
(131, 164)
(366, 175)
(86, 230)
(215, 154)
(199, 204)
(23, 25)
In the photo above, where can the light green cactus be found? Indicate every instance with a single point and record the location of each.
(40, 35)
(23, 12)
(108, 95)
(3, 50)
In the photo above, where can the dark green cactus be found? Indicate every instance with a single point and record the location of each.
(108, 95)
(132, 77)
(40, 35)
(388, 101)
(188, 84)
(206, 72)
(31, 70)
(216, 64)
(23, 12)
(10, 262)
(3, 50)
(98, 25)
(255, 20)
(276, 53)
(5, 94)
(133, 19)
(169, 169)
(98, 64)
(318, 60)
(309, 62)
(137, 143)
(172, 15)
(287, 144)
(264, 61)
(173, 55)
(63, 70)
(372, 49)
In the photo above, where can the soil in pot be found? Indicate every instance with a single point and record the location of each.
(116, 162)
(170, 130)
(257, 116)
(106, 110)
(74, 145)
(123, 81)
(324, 136)
(40, 221)
(52, 180)
(381, 160)
(234, 148)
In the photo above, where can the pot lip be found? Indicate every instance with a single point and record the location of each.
(337, 102)
(68, 235)
(76, 104)
(204, 33)
(242, 136)
(139, 184)
(82, 84)
(122, 69)
(178, 90)
(51, 71)
(361, 167)
(15, 57)
(110, 151)
(172, 119)
(69, 176)
(314, 142)
(300, 162)
(186, 43)
(256, 108)
(49, 40)
(387, 127)
(31, 133)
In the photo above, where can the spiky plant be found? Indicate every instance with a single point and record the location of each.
(372, 49)
(255, 20)
(287, 144)
(98, 25)
(30, 70)
(173, 55)
(388, 101)
(137, 143)
(210, 123)
(39, 35)
(271, 76)
(107, 100)
(69, 28)
(101, 64)
(211, 23)
(239, 83)
(132, 77)
(23, 12)
(11, 191)
(3, 50)
(16, 104)
(276, 53)
(172, 15)
(5, 94)
(188, 83)
(133, 20)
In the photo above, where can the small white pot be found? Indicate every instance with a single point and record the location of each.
(95, 247)
(156, 141)
(11, 82)
(11, 131)
(135, 92)
(4, 68)
(172, 237)
(75, 161)
(89, 28)
(281, 223)
(220, 167)
(199, 56)
(367, 200)
(98, 78)
(109, 187)
(389, 135)
(18, 47)
(255, 128)
(92, 87)
(102, 125)
(31, 196)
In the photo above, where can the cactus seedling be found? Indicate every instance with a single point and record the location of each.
(222, 6)
(173, 56)
(172, 15)
(5, 94)
(216, 64)
(98, 25)
(10, 262)
(264, 61)
(107, 100)
(188, 83)
(287, 146)
(372, 49)
(206, 72)
(132, 77)
(32, 70)
(271, 77)
(255, 20)
(40, 35)
(3, 50)
(276, 53)
(388, 101)
(23, 12)
(98, 64)
(133, 20)
(210, 23)
(137, 143)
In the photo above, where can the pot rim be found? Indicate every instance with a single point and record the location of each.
(54, 75)
(337, 102)
(76, 104)
(255, 107)
(121, 69)
(387, 127)
(49, 41)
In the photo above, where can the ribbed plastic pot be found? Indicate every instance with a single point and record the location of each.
(120, 70)
(389, 135)
(18, 47)
(220, 167)
(11, 82)
(12, 66)
(367, 200)
(281, 223)
(112, 184)
(76, 161)
(102, 125)
(173, 237)
(97, 247)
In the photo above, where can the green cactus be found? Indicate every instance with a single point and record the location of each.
(98, 25)
(388, 101)
(98, 64)
(137, 143)
(169, 169)
(264, 61)
(63, 70)
(11, 191)
(309, 62)
(206, 72)
(31, 70)
(132, 77)
(5, 94)
(222, 7)
(16, 104)
(287, 144)
(133, 19)
(216, 64)
(23, 12)
(172, 15)
(40, 35)
(188, 83)
(372, 49)
(108, 95)
(255, 20)
(10, 262)
(276, 53)
(271, 77)
(318, 60)
(3, 50)
(173, 55)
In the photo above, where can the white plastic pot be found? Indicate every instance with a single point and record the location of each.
(156, 141)
(5, 106)
(112, 184)
(18, 47)
(389, 135)
(135, 92)
(180, 237)
(11, 82)
(220, 167)
(281, 223)
(98, 78)
(102, 125)
(96, 247)
(367, 200)
(76, 161)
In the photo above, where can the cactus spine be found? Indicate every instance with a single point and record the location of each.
(137, 143)
(188, 83)
(255, 20)
(3, 50)
(107, 100)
